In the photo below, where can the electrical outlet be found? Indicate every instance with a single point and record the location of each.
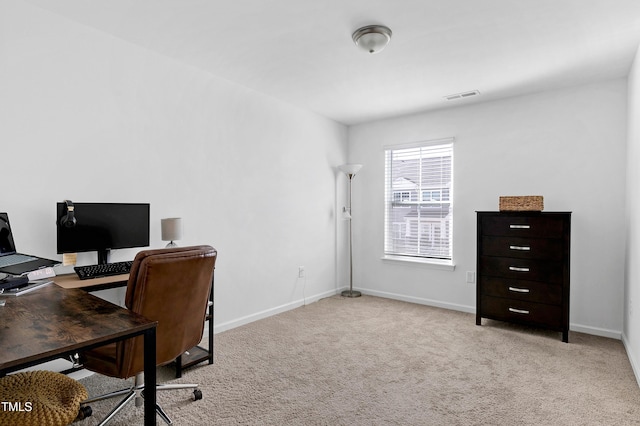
(300, 271)
(471, 277)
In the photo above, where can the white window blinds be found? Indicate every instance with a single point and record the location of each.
(418, 198)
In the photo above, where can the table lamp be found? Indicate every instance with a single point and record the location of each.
(171, 230)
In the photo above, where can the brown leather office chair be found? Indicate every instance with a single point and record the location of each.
(171, 286)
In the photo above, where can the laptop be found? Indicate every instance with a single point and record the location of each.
(12, 262)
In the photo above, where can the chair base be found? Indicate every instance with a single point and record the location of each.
(137, 392)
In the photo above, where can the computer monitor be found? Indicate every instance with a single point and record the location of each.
(101, 227)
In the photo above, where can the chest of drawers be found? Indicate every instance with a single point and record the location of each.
(523, 268)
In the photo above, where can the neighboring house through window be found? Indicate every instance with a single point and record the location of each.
(419, 200)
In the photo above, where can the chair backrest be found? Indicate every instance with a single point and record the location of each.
(171, 286)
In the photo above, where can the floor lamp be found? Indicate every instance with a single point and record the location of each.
(350, 170)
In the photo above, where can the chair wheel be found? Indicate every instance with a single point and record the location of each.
(197, 394)
(84, 412)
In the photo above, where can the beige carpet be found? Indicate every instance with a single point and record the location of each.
(374, 361)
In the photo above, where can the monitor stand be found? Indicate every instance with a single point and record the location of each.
(103, 256)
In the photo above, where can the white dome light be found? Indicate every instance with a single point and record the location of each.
(372, 38)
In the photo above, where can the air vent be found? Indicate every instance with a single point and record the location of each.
(462, 95)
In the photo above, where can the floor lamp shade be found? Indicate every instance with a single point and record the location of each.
(171, 230)
(350, 170)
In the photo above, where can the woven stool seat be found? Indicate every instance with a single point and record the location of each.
(39, 398)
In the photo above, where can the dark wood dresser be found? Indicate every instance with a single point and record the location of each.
(523, 268)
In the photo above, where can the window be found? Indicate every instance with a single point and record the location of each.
(418, 198)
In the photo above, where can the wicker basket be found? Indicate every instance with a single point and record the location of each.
(527, 203)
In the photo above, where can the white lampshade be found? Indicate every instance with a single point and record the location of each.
(350, 169)
(171, 228)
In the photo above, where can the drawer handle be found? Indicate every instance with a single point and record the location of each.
(518, 269)
(519, 290)
(518, 311)
(520, 226)
(521, 248)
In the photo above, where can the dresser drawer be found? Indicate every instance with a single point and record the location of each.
(524, 248)
(522, 269)
(523, 226)
(519, 311)
(528, 291)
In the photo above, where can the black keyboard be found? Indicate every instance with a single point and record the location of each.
(104, 270)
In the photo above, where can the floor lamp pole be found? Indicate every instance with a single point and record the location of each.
(350, 292)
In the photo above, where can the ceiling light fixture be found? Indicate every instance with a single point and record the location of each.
(372, 38)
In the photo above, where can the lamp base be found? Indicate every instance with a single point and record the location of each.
(351, 293)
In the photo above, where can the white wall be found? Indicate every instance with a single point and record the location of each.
(88, 117)
(568, 146)
(631, 335)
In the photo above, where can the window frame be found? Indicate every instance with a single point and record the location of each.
(395, 198)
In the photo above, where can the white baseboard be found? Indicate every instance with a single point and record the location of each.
(270, 312)
(634, 366)
(58, 365)
(602, 332)
(420, 301)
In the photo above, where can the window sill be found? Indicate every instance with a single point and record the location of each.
(445, 265)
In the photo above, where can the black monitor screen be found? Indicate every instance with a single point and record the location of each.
(102, 226)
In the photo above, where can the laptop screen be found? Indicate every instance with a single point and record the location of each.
(6, 239)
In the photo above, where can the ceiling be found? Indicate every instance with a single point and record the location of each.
(301, 51)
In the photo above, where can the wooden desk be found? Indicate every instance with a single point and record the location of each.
(53, 322)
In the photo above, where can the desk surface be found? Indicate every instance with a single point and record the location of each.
(93, 284)
(50, 321)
